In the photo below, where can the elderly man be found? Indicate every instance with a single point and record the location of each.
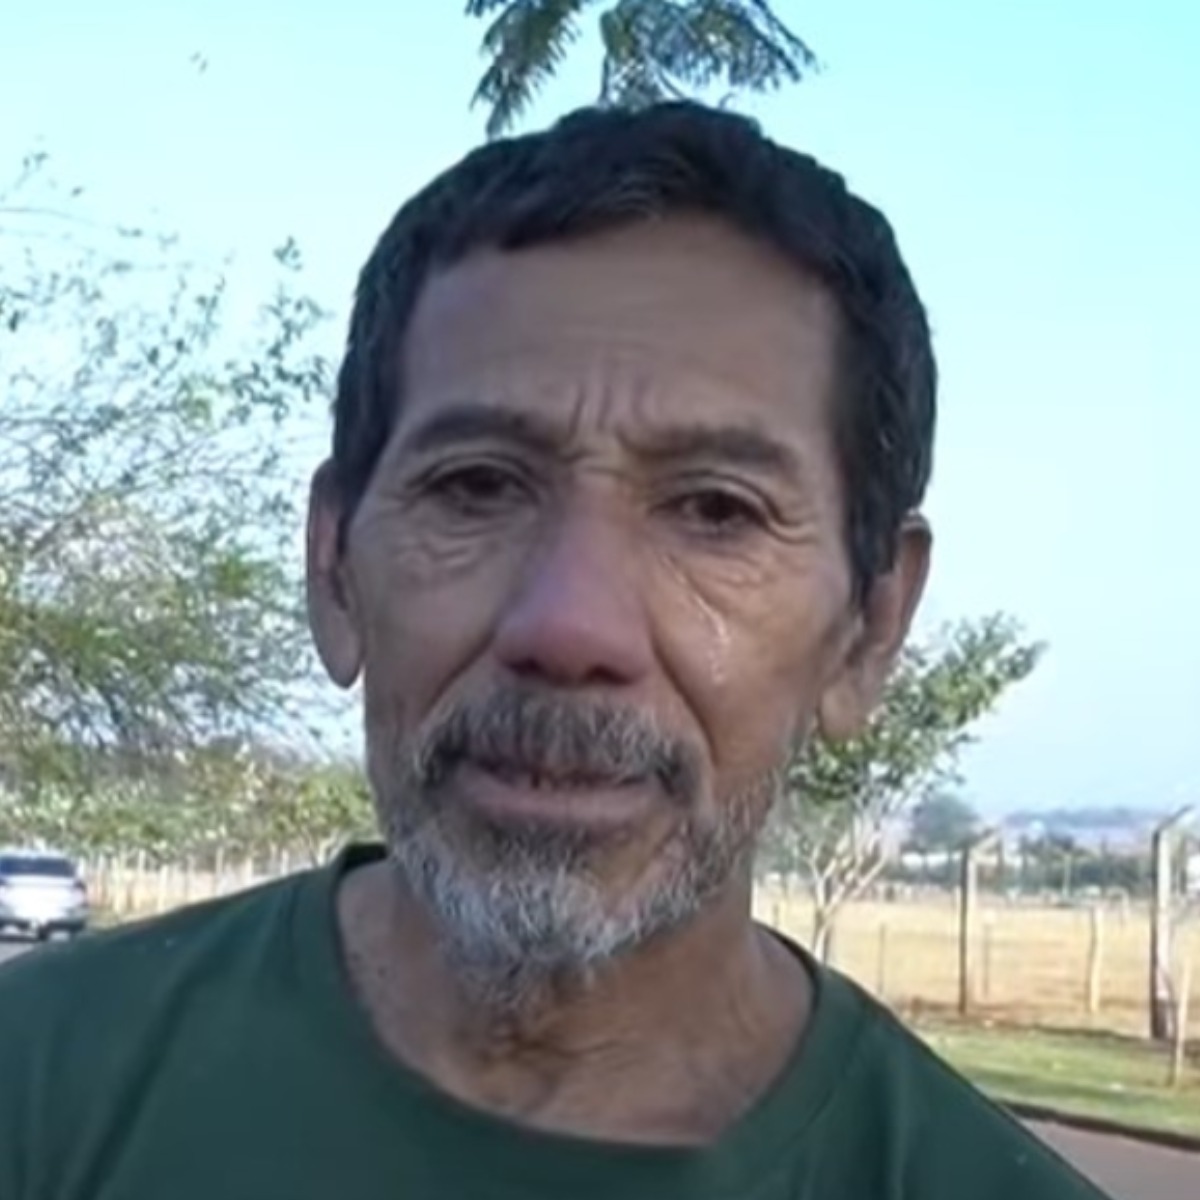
(630, 438)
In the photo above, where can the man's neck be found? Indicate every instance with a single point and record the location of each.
(669, 1044)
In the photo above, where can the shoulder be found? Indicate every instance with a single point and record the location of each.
(83, 1025)
(106, 986)
(942, 1129)
(198, 927)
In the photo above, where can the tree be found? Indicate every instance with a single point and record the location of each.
(941, 821)
(148, 582)
(308, 807)
(841, 802)
(652, 50)
(245, 805)
(1049, 860)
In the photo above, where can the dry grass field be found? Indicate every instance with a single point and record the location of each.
(1032, 985)
(1031, 962)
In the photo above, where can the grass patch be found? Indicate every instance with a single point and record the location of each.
(1096, 1075)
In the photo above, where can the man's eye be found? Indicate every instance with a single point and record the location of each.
(718, 511)
(477, 488)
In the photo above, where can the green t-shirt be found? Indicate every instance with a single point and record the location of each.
(219, 1054)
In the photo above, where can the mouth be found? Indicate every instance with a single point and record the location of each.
(508, 794)
(538, 778)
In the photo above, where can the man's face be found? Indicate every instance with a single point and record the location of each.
(598, 584)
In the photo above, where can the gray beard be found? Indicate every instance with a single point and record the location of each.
(520, 910)
(533, 915)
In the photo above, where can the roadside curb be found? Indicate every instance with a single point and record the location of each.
(1188, 1143)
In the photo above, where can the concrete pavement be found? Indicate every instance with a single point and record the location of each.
(1126, 1169)
(11, 950)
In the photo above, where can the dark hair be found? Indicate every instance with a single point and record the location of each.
(598, 168)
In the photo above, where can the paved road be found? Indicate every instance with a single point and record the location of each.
(10, 950)
(1128, 1170)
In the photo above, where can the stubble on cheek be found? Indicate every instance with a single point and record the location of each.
(425, 602)
(750, 637)
(425, 593)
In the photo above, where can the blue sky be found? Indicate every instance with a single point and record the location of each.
(1041, 162)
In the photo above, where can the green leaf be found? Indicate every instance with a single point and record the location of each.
(525, 45)
(653, 50)
(148, 589)
(840, 801)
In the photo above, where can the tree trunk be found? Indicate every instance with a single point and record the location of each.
(824, 914)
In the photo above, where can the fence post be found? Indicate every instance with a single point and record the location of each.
(141, 872)
(881, 956)
(1161, 921)
(129, 879)
(98, 883)
(160, 888)
(989, 930)
(1095, 961)
(1179, 1048)
(968, 888)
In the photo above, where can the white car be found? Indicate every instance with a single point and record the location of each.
(41, 894)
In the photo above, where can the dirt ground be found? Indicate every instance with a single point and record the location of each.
(1032, 962)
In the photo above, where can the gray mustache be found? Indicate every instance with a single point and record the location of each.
(522, 732)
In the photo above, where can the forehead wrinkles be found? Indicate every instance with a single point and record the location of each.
(602, 371)
(625, 393)
(580, 396)
(682, 296)
(610, 395)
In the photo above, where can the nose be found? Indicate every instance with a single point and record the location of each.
(577, 616)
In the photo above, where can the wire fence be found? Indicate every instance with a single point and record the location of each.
(1052, 965)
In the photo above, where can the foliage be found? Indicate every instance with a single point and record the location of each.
(652, 50)
(310, 809)
(941, 820)
(1034, 870)
(840, 801)
(244, 802)
(148, 601)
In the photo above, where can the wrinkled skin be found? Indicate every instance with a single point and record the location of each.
(611, 490)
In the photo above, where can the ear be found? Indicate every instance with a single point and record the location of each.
(879, 633)
(331, 616)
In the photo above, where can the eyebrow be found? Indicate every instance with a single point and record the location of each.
(732, 445)
(728, 444)
(460, 423)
